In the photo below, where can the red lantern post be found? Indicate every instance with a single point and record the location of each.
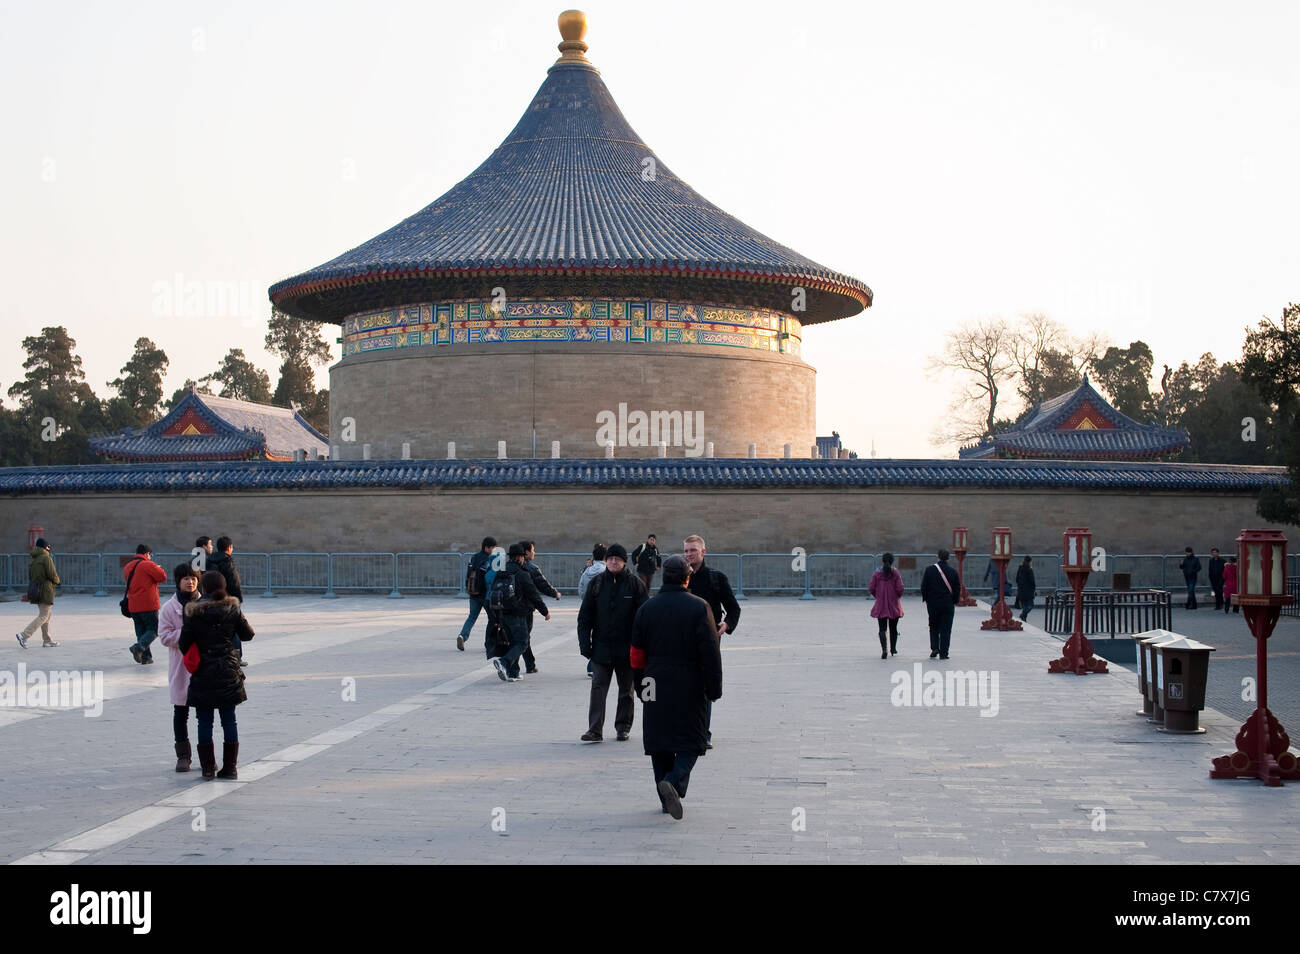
(1078, 657)
(1262, 744)
(959, 547)
(1001, 618)
(34, 533)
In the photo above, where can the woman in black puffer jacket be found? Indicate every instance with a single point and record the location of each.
(213, 623)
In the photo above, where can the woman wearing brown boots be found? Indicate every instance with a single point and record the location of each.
(170, 620)
(213, 622)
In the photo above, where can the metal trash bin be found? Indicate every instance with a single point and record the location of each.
(1183, 670)
(1121, 582)
(1146, 670)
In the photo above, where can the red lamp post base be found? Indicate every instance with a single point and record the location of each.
(1078, 658)
(965, 599)
(1260, 733)
(1001, 618)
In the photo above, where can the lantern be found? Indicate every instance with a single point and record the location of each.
(1261, 555)
(1078, 549)
(959, 540)
(1002, 543)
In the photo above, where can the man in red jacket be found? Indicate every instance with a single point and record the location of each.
(142, 577)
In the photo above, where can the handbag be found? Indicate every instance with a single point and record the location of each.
(124, 603)
(191, 659)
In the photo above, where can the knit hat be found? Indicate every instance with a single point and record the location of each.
(41, 544)
(616, 550)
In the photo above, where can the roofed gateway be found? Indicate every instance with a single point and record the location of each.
(1081, 425)
(572, 260)
(204, 427)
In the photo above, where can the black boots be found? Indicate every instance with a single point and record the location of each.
(207, 759)
(229, 758)
(893, 644)
(183, 756)
(884, 653)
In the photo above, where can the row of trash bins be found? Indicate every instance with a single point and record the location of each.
(1172, 673)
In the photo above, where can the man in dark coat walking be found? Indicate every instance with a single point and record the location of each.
(939, 589)
(605, 638)
(1191, 567)
(1216, 576)
(647, 561)
(714, 588)
(677, 664)
(544, 587)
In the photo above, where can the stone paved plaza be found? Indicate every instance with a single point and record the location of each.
(436, 760)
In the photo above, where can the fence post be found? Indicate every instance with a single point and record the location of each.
(268, 592)
(329, 578)
(395, 595)
(464, 564)
(740, 577)
(101, 591)
(807, 580)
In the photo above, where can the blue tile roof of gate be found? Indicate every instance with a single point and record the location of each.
(566, 190)
(694, 472)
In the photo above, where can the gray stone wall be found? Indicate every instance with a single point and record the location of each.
(438, 519)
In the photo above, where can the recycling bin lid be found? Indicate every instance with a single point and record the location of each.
(1157, 636)
(1183, 642)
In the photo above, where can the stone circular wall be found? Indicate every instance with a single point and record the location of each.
(481, 395)
(581, 371)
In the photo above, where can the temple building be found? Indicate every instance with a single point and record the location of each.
(573, 262)
(204, 427)
(1081, 425)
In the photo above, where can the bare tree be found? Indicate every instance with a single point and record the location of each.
(1048, 359)
(981, 354)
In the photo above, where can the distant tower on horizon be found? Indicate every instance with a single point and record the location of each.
(570, 273)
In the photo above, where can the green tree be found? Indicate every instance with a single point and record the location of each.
(140, 387)
(239, 379)
(179, 394)
(56, 407)
(299, 342)
(1270, 363)
(1125, 375)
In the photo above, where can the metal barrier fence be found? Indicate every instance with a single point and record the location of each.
(1109, 613)
(804, 575)
(1292, 587)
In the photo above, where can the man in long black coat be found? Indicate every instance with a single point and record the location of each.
(1216, 576)
(677, 662)
(940, 587)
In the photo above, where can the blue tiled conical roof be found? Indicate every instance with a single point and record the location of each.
(573, 193)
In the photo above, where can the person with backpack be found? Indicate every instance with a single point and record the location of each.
(544, 587)
(42, 578)
(605, 637)
(476, 587)
(886, 588)
(510, 597)
(142, 577)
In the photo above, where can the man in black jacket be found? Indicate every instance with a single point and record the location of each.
(514, 610)
(605, 637)
(1191, 567)
(544, 587)
(678, 669)
(940, 587)
(714, 588)
(476, 587)
(647, 561)
(223, 561)
(1216, 576)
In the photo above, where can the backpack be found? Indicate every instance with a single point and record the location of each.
(502, 597)
(476, 579)
(498, 639)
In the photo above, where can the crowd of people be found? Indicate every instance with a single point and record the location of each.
(663, 648)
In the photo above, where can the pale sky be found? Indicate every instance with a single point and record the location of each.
(1125, 167)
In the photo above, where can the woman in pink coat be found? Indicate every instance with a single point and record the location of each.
(170, 620)
(1230, 584)
(887, 588)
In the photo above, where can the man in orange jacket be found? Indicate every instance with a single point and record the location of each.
(142, 577)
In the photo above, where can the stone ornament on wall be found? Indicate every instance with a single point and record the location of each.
(587, 320)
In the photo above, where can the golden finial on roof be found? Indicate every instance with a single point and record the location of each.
(573, 27)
